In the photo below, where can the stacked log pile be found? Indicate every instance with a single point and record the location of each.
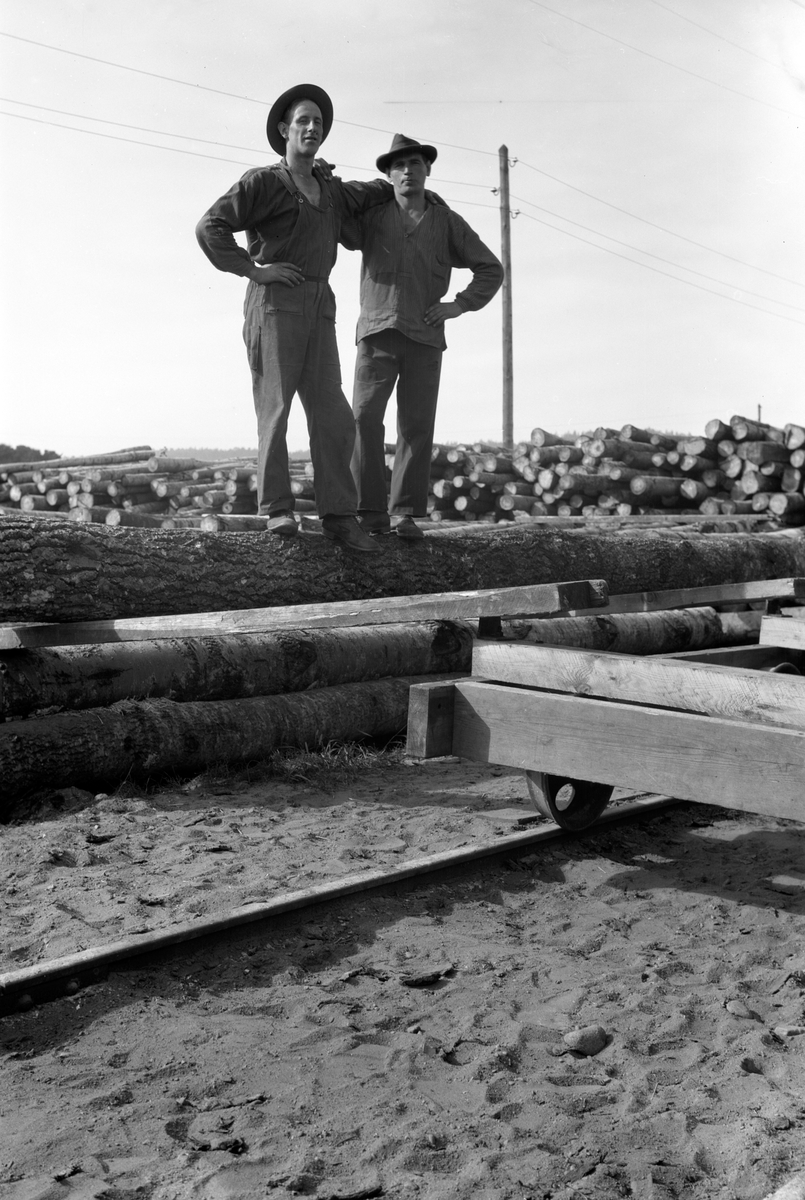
(738, 469)
(763, 465)
(140, 488)
(746, 470)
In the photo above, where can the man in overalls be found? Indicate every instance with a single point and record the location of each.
(292, 219)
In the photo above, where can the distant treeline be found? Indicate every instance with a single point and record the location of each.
(233, 452)
(24, 454)
(208, 455)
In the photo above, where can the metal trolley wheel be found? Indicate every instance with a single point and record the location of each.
(572, 803)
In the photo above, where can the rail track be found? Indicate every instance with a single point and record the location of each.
(28, 986)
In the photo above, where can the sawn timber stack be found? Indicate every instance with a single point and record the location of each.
(58, 572)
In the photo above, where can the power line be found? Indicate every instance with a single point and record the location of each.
(720, 37)
(633, 261)
(123, 67)
(218, 158)
(122, 125)
(118, 138)
(200, 87)
(376, 129)
(461, 183)
(436, 142)
(165, 133)
(646, 266)
(667, 274)
(659, 258)
(351, 167)
(662, 228)
(664, 61)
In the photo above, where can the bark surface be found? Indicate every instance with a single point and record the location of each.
(223, 668)
(666, 632)
(62, 572)
(148, 738)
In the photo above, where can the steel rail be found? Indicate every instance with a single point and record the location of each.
(72, 967)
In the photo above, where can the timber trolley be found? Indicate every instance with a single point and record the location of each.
(722, 726)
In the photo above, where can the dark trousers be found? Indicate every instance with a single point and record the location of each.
(296, 352)
(384, 359)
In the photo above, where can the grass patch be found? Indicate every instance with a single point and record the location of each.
(326, 769)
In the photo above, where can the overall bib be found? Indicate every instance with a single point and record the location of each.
(291, 345)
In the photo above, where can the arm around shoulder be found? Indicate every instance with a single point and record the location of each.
(356, 198)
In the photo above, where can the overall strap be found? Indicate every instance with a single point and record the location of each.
(315, 233)
(287, 179)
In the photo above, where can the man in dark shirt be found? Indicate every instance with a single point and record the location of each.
(409, 245)
(292, 218)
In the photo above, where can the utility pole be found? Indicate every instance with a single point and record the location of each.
(506, 259)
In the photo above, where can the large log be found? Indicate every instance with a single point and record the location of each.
(57, 571)
(147, 738)
(132, 454)
(744, 429)
(641, 633)
(229, 667)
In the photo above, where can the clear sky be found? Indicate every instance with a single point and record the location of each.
(658, 247)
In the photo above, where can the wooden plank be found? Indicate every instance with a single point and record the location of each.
(430, 720)
(736, 694)
(787, 632)
(707, 759)
(636, 520)
(755, 658)
(727, 593)
(512, 603)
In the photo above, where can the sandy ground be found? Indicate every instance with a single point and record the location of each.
(410, 1042)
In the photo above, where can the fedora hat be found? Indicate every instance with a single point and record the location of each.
(302, 91)
(400, 145)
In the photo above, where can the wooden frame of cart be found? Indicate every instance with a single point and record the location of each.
(723, 727)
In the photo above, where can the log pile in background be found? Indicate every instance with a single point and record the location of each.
(745, 469)
(139, 487)
(738, 469)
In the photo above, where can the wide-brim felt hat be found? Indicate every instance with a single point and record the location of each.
(400, 145)
(302, 91)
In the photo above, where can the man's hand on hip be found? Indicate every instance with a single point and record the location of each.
(281, 272)
(437, 314)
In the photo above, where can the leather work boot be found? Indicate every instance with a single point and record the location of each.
(375, 522)
(282, 524)
(348, 533)
(407, 529)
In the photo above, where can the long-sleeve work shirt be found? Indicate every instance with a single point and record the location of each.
(404, 272)
(260, 205)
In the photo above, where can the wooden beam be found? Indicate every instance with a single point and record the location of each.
(430, 720)
(635, 520)
(755, 658)
(539, 599)
(736, 694)
(727, 593)
(787, 632)
(706, 759)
